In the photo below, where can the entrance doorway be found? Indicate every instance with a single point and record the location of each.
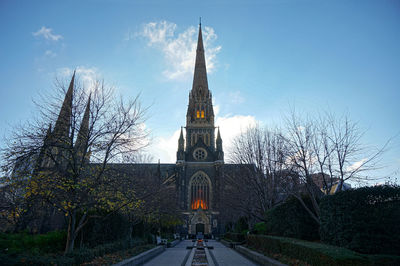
(199, 229)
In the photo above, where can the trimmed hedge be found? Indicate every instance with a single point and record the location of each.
(366, 220)
(234, 237)
(290, 219)
(315, 253)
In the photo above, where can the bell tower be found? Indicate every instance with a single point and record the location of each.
(200, 129)
(200, 157)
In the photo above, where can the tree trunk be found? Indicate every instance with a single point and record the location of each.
(69, 246)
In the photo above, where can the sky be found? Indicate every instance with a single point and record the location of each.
(263, 59)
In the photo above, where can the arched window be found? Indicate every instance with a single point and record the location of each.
(198, 114)
(200, 192)
(202, 114)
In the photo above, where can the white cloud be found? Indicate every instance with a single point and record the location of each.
(165, 148)
(232, 126)
(50, 53)
(47, 34)
(235, 97)
(87, 75)
(179, 50)
(356, 165)
(216, 110)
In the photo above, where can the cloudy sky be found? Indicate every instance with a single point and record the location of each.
(263, 58)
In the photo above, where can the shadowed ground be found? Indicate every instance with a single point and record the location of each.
(223, 255)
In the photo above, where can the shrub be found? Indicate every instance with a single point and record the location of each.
(315, 253)
(290, 219)
(35, 244)
(366, 220)
(76, 257)
(260, 228)
(241, 225)
(235, 237)
(104, 230)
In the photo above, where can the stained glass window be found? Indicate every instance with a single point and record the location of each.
(199, 192)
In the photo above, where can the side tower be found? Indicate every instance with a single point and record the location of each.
(200, 156)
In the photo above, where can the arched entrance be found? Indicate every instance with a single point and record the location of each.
(200, 228)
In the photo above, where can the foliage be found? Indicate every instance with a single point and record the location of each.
(52, 165)
(235, 237)
(76, 257)
(260, 228)
(315, 253)
(241, 225)
(290, 219)
(104, 230)
(34, 244)
(366, 220)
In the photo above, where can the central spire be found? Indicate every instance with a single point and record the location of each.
(200, 71)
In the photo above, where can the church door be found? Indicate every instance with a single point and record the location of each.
(199, 228)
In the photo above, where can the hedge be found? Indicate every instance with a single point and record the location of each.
(76, 257)
(235, 237)
(15, 243)
(104, 230)
(366, 220)
(315, 253)
(290, 219)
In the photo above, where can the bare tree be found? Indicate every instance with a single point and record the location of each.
(255, 188)
(327, 149)
(311, 156)
(92, 126)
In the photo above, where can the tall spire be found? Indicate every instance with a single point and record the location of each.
(219, 141)
(200, 71)
(81, 141)
(61, 129)
(40, 162)
(180, 155)
(181, 141)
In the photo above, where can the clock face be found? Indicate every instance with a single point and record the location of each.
(199, 154)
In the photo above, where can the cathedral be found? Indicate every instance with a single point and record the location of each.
(199, 169)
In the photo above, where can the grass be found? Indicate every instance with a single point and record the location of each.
(299, 252)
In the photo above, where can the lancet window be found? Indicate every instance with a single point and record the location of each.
(200, 192)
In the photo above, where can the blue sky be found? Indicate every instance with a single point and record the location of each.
(262, 56)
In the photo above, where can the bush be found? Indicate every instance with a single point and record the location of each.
(76, 257)
(235, 237)
(315, 253)
(260, 228)
(34, 244)
(104, 230)
(366, 220)
(290, 219)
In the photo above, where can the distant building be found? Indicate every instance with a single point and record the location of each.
(329, 185)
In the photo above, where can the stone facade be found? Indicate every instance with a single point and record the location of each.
(199, 157)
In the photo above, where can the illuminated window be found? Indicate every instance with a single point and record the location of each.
(199, 192)
(198, 114)
(202, 114)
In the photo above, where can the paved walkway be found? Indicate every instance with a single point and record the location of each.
(171, 256)
(227, 256)
(223, 255)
